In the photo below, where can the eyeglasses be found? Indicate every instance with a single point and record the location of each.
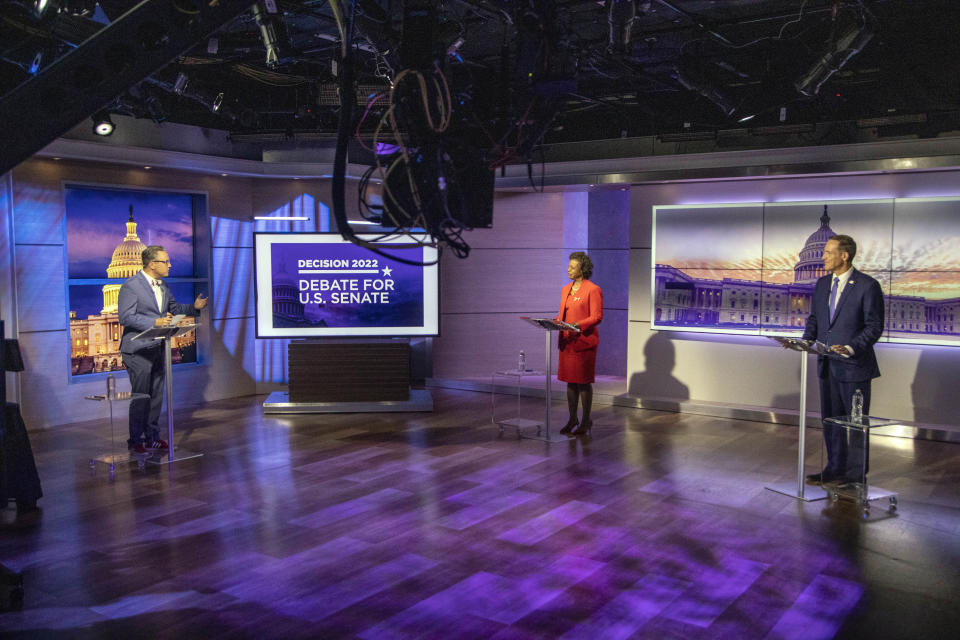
(161, 261)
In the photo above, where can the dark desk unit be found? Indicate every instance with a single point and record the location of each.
(348, 371)
(18, 472)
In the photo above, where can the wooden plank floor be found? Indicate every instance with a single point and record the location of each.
(431, 526)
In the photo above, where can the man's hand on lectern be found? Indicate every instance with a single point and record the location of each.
(200, 302)
(163, 321)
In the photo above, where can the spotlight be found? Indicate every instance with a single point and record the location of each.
(102, 124)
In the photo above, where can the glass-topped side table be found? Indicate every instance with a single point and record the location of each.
(118, 452)
(504, 416)
(854, 435)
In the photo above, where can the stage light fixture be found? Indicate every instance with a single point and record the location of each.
(620, 17)
(102, 124)
(695, 79)
(273, 32)
(180, 84)
(839, 54)
(35, 63)
(72, 7)
(27, 58)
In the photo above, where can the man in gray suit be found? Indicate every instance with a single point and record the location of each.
(847, 316)
(145, 302)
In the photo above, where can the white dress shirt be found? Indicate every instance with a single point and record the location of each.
(156, 288)
(841, 284)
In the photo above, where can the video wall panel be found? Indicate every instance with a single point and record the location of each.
(722, 237)
(751, 268)
(107, 228)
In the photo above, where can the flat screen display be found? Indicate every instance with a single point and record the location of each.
(752, 268)
(320, 285)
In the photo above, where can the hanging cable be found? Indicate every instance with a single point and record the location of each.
(340, 157)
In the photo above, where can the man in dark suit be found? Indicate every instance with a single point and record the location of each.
(847, 316)
(144, 302)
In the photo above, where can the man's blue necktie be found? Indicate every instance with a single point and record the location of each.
(833, 297)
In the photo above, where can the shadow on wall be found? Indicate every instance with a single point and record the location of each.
(934, 387)
(655, 385)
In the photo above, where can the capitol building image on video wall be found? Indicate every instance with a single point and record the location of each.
(684, 301)
(95, 340)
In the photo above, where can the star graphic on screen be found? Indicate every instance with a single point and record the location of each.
(387, 271)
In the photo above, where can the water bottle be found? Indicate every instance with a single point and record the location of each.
(522, 362)
(856, 406)
(111, 386)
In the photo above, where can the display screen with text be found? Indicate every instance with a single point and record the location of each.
(323, 285)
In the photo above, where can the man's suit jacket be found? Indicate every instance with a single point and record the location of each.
(137, 311)
(857, 322)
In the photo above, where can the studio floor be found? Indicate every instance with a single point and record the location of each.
(432, 525)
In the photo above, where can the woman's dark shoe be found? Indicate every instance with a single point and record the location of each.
(570, 426)
(583, 429)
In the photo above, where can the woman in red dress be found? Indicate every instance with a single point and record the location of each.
(581, 304)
